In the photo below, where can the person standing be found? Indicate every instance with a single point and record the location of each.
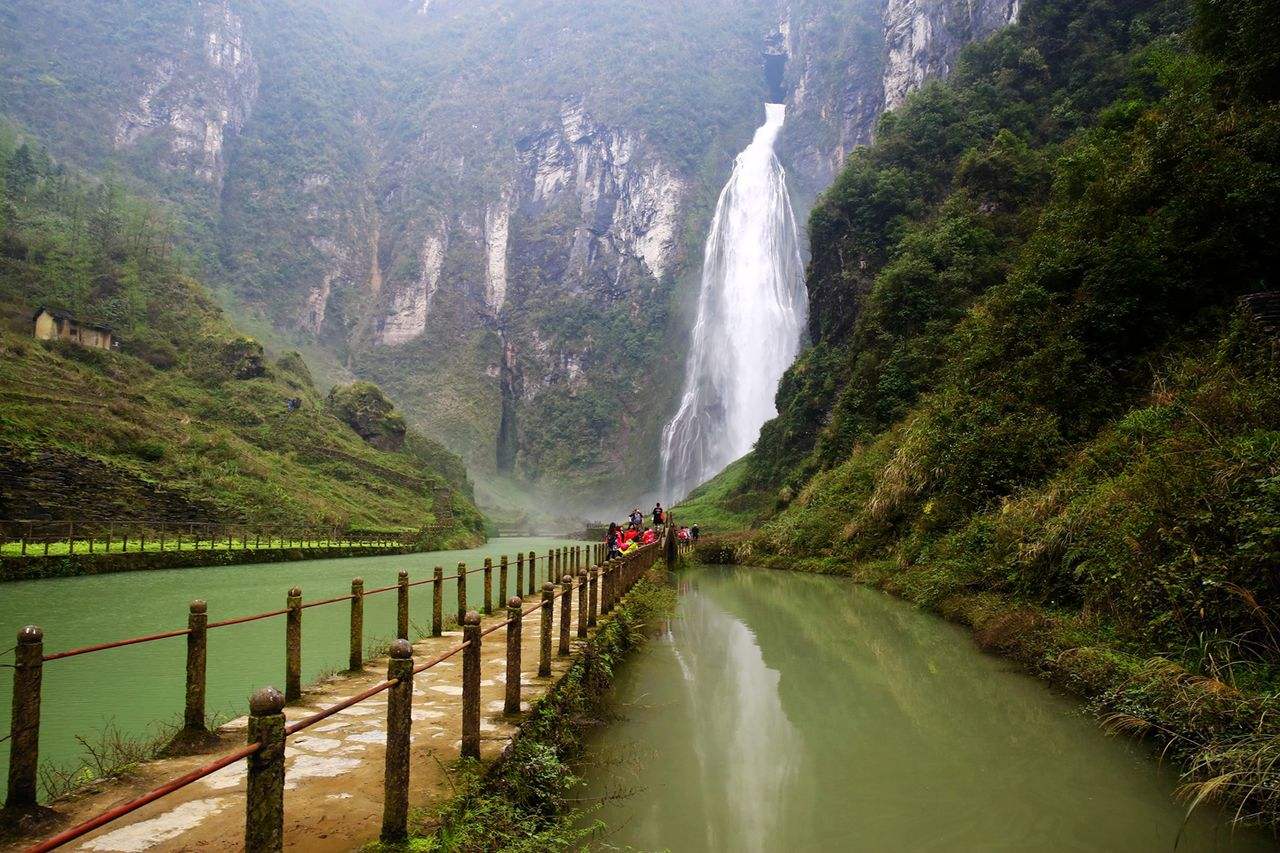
(658, 515)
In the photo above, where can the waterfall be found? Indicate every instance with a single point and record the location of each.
(751, 310)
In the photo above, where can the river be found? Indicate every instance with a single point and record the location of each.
(788, 712)
(130, 689)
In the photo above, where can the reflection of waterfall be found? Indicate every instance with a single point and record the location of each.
(750, 314)
(746, 749)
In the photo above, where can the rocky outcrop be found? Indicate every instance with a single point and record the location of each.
(198, 96)
(922, 38)
(909, 42)
(628, 201)
(410, 305)
(364, 408)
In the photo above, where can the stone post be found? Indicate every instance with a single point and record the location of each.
(197, 660)
(437, 602)
(520, 574)
(503, 576)
(395, 784)
(582, 604)
(24, 724)
(462, 593)
(293, 646)
(533, 560)
(551, 566)
(593, 604)
(512, 705)
(566, 603)
(355, 660)
(548, 608)
(488, 586)
(471, 686)
(264, 798)
(402, 605)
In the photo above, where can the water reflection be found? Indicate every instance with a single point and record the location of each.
(790, 712)
(746, 749)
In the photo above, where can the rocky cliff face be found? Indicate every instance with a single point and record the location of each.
(847, 70)
(196, 97)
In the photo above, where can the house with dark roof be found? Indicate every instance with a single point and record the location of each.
(57, 326)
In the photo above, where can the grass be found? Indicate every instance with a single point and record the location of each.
(720, 504)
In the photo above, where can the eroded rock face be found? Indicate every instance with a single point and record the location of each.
(198, 96)
(893, 50)
(922, 38)
(628, 201)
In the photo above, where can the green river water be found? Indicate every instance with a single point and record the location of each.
(787, 712)
(133, 688)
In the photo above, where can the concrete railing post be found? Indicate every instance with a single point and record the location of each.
(471, 686)
(551, 568)
(593, 605)
(24, 725)
(355, 660)
(512, 705)
(197, 662)
(548, 609)
(606, 587)
(264, 796)
(293, 647)
(437, 602)
(566, 605)
(402, 605)
(395, 780)
(503, 577)
(462, 593)
(533, 582)
(582, 604)
(520, 574)
(488, 586)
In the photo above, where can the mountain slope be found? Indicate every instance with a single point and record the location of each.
(188, 420)
(495, 210)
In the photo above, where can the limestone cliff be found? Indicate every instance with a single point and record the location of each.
(194, 98)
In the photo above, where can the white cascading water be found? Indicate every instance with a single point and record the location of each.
(751, 311)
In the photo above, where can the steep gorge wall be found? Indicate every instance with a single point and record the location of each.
(505, 263)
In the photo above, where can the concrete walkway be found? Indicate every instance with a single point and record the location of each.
(333, 770)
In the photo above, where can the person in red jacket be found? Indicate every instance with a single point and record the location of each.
(649, 537)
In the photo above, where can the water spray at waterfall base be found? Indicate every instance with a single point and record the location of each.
(751, 311)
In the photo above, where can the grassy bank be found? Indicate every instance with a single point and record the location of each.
(523, 802)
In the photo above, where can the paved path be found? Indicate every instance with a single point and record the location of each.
(333, 770)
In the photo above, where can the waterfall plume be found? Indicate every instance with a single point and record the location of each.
(751, 310)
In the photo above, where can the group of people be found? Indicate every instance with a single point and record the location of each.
(624, 540)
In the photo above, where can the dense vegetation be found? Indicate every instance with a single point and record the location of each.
(188, 418)
(1031, 376)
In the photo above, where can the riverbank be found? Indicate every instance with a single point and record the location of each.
(522, 799)
(1222, 739)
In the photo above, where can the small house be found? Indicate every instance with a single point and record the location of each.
(57, 326)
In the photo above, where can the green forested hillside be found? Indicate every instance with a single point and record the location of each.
(1031, 375)
(188, 418)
